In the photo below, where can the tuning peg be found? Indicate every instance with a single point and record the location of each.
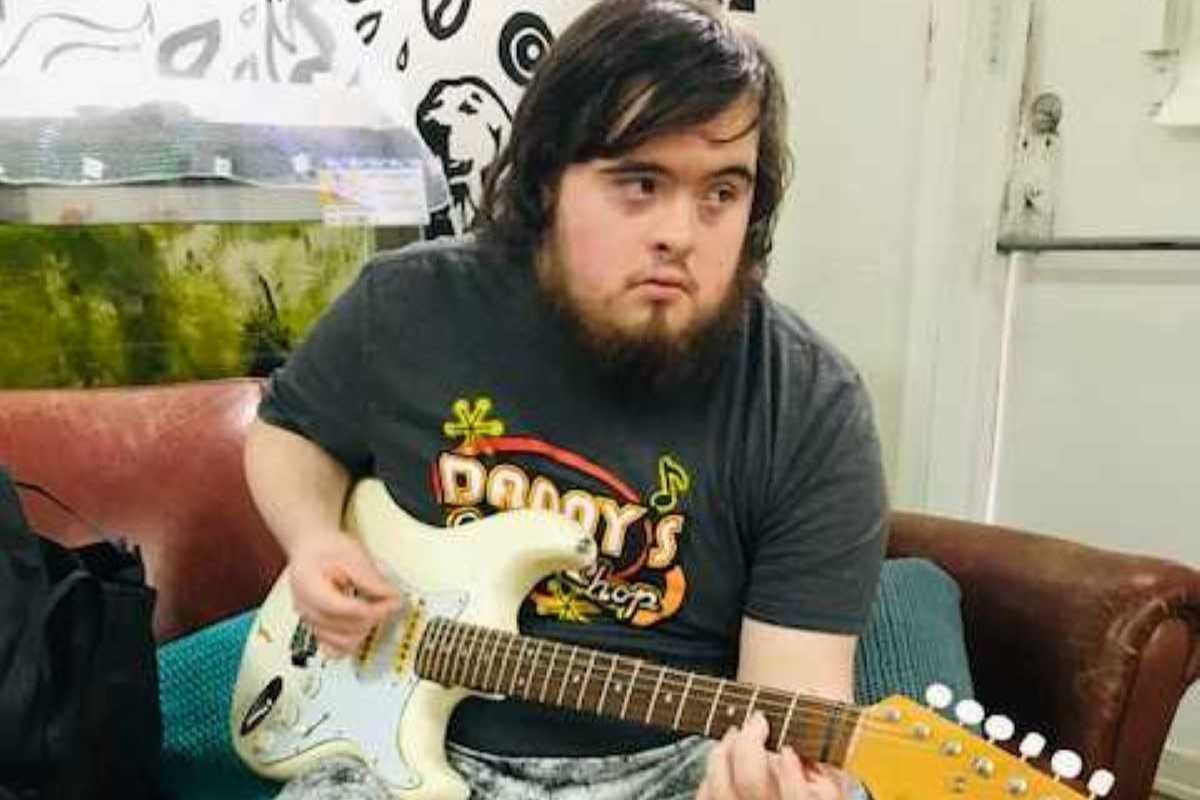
(1032, 746)
(1066, 764)
(969, 712)
(999, 728)
(1100, 784)
(939, 696)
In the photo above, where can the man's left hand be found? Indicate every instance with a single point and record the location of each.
(741, 768)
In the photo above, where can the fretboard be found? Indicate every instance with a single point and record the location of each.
(593, 682)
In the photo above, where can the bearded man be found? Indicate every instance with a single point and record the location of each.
(604, 347)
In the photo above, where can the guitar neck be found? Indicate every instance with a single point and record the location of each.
(593, 682)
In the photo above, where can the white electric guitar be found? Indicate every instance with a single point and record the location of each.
(389, 703)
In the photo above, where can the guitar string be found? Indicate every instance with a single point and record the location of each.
(822, 714)
(819, 740)
(867, 726)
(474, 635)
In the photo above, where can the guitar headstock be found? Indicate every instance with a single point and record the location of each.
(905, 751)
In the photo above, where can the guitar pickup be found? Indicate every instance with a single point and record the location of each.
(303, 645)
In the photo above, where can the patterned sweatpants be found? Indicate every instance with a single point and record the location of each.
(673, 772)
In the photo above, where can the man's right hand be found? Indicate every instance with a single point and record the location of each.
(338, 591)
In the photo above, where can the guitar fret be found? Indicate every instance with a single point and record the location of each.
(562, 689)
(827, 742)
(682, 700)
(848, 721)
(662, 673)
(787, 720)
(750, 705)
(425, 647)
(587, 676)
(512, 684)
(629, 689)
(461, 659)
(495, 663)
(429, 650)
(713, 710)
(607, 682)
(479, 662)
(549, 670)
(491, 660)
(504, 660)
(456, 644)
(447, 653)
(537, 653)
(465, 648)
(439, 653)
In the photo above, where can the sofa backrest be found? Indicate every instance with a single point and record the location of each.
(160, 466)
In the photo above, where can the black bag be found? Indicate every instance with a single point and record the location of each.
(79, 713)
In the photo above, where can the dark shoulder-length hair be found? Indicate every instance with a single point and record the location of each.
(624, 72)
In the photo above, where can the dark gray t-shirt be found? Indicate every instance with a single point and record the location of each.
(761, 494)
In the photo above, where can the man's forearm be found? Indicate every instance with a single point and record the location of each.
(298, 487)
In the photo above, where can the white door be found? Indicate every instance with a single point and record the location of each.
(1098, 410)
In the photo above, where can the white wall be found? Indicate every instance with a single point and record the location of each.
(855, 74)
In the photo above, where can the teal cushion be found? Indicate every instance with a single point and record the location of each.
(196, 674)
(914, 636)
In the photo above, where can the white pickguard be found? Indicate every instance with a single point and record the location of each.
(373, 706)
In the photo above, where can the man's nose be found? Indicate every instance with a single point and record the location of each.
(676, 225)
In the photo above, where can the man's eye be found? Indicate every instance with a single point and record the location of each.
(639, 187)
(720, 195)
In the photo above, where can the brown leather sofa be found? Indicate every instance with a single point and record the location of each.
(1092, 648)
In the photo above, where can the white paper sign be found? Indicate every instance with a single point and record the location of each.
(373, 193)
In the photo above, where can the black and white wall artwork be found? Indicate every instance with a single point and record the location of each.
(457, 71)
(454, 69)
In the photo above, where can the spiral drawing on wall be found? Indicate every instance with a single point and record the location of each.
(526, 38)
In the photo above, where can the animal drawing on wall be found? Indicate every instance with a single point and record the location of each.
(464, 119)
(465, 124)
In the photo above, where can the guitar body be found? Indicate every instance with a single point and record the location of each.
(292, 706)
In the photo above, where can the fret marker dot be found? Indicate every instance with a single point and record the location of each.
(730, 711)
(575, 678)
(670, 698)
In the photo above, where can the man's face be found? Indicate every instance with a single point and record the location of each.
(644, 248)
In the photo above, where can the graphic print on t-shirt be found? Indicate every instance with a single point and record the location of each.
(636, 579)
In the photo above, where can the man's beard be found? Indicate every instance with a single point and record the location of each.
(653, 357)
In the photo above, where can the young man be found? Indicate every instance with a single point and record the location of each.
(605, 348)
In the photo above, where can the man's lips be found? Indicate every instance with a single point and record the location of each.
(663, 281)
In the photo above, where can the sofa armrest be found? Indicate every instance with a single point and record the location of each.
(1092, 648)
